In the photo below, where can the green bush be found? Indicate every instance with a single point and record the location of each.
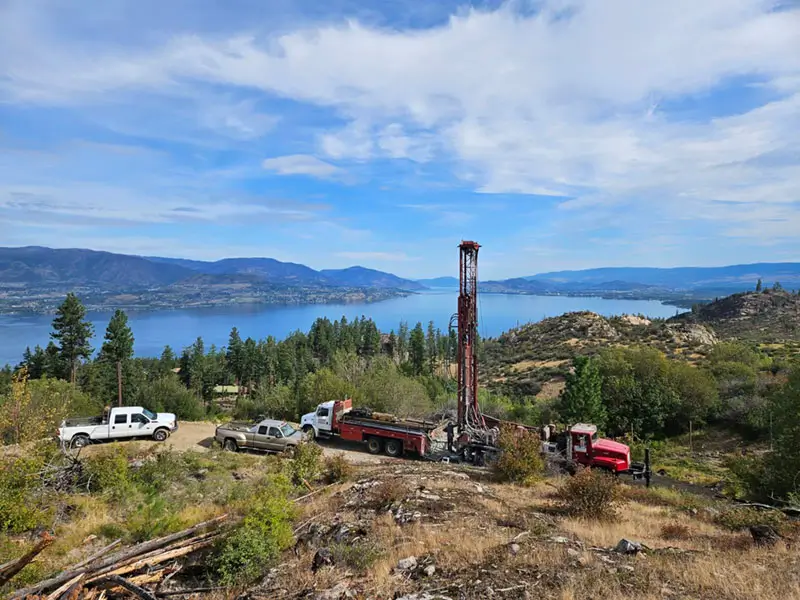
(359, 556)
(168, 394)
(109, 472)
(738, 518)
(19, 510)
(591, 494)
(520, 459)
(265, 531)
(154, 517)
(307, 463)
(160, 472)
(337, 469)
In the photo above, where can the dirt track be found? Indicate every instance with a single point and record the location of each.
(198, 436)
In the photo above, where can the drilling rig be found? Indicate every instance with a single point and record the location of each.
(475, 441)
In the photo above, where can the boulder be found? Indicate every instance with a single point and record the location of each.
(322, 558)
(407, 564)
(628, 547)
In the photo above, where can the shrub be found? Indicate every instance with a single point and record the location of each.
(738, 518)
(151, 519)
(265, 531)
(387, 493)
(520, 458)
(18, 509)
(157, 474)
(307, 463)
(358, 556)
(675, 531)
(591, 494)
(109, 472)
(337, 469)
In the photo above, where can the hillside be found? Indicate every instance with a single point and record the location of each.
(363, 277)
(532, 359)
(769, 316)
(35, 265)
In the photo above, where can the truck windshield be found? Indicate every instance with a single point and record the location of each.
(149, 414)
(287, 430)
(594, 438)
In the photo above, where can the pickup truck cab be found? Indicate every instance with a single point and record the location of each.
(117, 424)
(269, 435)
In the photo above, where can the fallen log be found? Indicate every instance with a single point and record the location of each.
(117, 581)
(97, 555)
(64, 588)
(15, 566)
(115, 560)
(203, 590)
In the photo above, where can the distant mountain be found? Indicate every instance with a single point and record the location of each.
(734, 277)
(363, 277)
(439, 282)
(518, 285)
(34, 265)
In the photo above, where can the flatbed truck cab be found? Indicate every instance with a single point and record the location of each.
(590, 450)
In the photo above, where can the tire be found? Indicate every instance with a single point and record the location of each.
(308, 430)
(374, 445)
(289, 451)
(79, 441)
(393, 448)
(160, 435)
(230, 445)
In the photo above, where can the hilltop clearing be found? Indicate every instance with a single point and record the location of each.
(770, 316)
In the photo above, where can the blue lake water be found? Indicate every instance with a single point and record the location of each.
(179, 328)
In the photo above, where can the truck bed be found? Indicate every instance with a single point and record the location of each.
(403, 426)
(83, 421)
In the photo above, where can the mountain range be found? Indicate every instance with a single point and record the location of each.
(39, 266)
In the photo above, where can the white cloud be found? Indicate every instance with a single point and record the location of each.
(300, 164)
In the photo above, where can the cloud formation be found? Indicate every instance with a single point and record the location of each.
(300, 164)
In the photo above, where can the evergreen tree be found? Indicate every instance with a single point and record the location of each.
(582, 399)
(35, 362)
(416, 350)
(430, 347)
(371, 339)
(117, 348)
(402, 341)
(72, 334)
(759, 285)
(777, 287)
(236, 357)
(391, 347)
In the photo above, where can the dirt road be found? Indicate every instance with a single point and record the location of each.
(198, 436)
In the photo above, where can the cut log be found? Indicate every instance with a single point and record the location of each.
(98, 555)
(12, 568)
(154, 560)
(116, 580)
(116, 559)
(57, 594)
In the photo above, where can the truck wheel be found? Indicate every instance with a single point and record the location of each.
(394, 448)
(160, 435)
(289, 451)
(308, 430)
(374, 445)
(230, 445)
(79, 441)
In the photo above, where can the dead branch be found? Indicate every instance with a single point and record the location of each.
(317, 491)
(64, 588)
(204, 590)
(116, 560)
(14, 567)
(99, 554)
(134, 589)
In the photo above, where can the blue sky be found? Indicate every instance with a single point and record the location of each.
(557, 133)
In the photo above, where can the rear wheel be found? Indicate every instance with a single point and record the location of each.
(160, 435)
(79, 441)
(230, 445)
(374, 445)
(394, 448)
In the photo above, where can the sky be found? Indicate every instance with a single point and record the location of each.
(559, 134)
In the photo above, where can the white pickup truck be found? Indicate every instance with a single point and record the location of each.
(117, 424)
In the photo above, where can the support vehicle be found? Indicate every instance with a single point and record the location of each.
(580, 445)
(116, 424)
(380, 432)
(268, 436)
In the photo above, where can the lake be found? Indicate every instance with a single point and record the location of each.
(179, 328)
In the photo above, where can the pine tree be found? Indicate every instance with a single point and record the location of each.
(72, 334)
(402, 341)
(759, 285)
(117, 348)
(582, 399)
(391, 347)
(416, 350)
(235, 357)
(430, 347)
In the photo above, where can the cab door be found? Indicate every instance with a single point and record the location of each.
(141, 425)
(275, 441)
(581, 449)
(323, 418)
(120, 426)
(261, 438)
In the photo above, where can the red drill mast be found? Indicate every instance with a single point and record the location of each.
(469, 414)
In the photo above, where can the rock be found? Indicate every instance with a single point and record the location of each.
(514, 549)
(573, 553)
(479, 488)
(429, 496)
(429, 571)
(335, 593)
(559, 539)
(323, 558)
(424, 596)
(407, 564)
(628, 568)
(764, 535)
(627, 547)
(456, 474)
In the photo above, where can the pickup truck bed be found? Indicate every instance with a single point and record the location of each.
(81, 421)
